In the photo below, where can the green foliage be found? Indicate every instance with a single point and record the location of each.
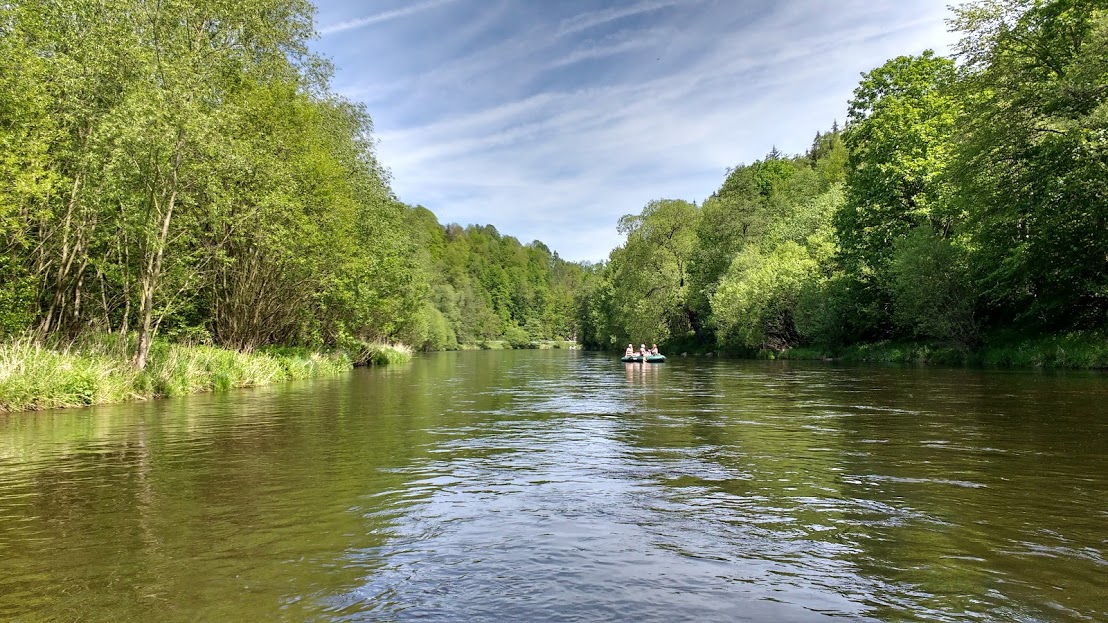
(755, 302)
(1032, 168)
(839, 309)
(885, 352)
(1080, 350)
(931, 290)
(649, 273)
(738, 214)
(901, 123)
(436, 332)
(33, 377)
(595, 309)
(1075, 349)
(482, 284)
(741, 264)
(517, 337)
(16, 298)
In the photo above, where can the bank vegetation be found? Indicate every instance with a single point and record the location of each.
(960, 215)
(181, 176)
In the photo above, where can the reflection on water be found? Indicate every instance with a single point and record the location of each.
(642, 374)
(558, 486)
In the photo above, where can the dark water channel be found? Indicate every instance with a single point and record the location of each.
(565, 486)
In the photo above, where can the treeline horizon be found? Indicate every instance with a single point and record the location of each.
(963, 201)
(199, 180)
(183, 169)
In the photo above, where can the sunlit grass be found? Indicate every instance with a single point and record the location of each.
(380, 354)
(35, 377)
(97, 370)
(363, 353)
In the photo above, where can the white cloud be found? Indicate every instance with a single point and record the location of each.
(589, 53)
(584, 21)
(384, 16)
(561, 162)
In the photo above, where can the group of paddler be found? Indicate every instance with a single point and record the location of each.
(630, 352)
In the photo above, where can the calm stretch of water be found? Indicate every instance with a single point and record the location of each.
(564, 486)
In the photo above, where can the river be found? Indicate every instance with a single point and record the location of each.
(566, 486)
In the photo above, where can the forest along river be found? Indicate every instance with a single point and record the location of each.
(560, 485)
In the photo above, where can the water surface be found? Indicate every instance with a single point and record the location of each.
(561, 486)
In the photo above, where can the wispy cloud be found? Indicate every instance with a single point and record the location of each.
(549, 126)
(584, 21)
(384, 16)
(590, 53)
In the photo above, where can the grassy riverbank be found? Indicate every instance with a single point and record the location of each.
(1073, 351)
(97, 370)
(506, 345)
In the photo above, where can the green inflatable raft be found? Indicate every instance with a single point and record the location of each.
(649, 359)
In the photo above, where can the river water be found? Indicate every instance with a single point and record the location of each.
(566, 486)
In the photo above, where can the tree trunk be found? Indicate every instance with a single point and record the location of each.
(153, 270)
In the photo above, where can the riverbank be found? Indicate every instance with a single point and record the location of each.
(97, 370)
(1077, 350)
(506, 345)
(1082, 350)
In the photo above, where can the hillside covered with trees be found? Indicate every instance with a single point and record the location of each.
(963, 203)
(198, 179)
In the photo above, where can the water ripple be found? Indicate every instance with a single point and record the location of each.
(555, 486)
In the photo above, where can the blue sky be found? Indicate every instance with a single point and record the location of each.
(552, 118)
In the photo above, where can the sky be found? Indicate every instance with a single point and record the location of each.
(550, 119)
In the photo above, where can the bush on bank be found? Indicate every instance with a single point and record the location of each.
(1079, 350)
(364, 353)
(97, 370)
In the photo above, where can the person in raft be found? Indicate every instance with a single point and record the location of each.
(654, 349)
(630, 352)
(642, 351)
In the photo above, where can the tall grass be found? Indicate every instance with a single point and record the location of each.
(1080, 350)
(379, 354)
(177, 370)
(1076, 350)
(34, 377)
(363, 353)
(97, 370)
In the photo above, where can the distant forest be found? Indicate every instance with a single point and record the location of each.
(964, 199)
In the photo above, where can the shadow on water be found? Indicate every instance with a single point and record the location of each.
(556, 485)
